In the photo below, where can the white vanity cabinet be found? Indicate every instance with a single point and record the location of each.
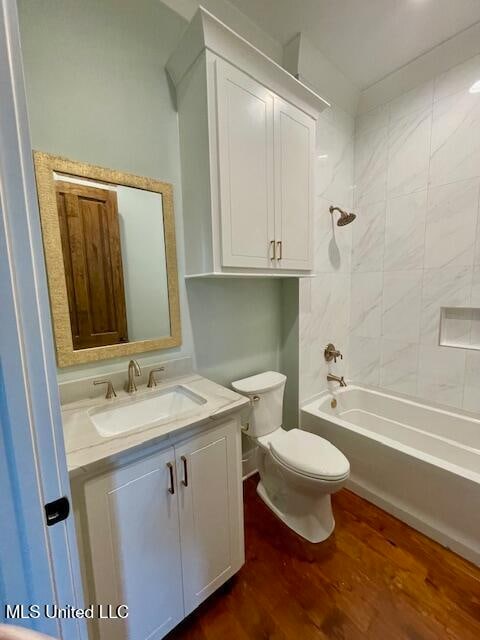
(161, 532)
(211, 511)
(247, 142)
(134, 541)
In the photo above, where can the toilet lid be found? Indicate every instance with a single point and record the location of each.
(260, 383)
(310, 454)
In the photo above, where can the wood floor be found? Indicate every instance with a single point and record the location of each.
(374, 579)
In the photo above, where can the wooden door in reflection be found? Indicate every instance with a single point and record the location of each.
(90, 234)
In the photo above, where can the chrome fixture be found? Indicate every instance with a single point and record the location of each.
(345, 218)
(110, 393)
(133, 370)
(331, 353)
(151, 377)
(339, 379)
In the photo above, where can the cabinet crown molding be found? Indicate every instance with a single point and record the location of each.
(205, 31)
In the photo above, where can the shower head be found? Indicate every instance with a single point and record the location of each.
(345, 218)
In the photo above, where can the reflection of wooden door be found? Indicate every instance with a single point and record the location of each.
(93, 264)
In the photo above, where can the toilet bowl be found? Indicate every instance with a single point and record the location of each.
(299, 470)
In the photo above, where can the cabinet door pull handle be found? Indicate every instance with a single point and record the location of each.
(185, 471)
(273, 248)
(280, 249)
(171, 488)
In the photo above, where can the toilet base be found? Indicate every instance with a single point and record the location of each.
(310, 519)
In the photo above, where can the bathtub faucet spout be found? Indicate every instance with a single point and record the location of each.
(340, 380)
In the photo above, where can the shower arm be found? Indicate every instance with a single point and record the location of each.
(341, 211)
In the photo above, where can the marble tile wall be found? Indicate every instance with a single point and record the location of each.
(416, 241)
(325, 300)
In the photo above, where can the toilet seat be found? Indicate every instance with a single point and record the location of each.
(309, 454)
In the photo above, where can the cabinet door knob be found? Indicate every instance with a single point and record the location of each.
(273, 249)
(185, 471)
(171, 488)
(280, 250)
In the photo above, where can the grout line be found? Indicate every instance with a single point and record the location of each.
(427, 200)
(475, 248)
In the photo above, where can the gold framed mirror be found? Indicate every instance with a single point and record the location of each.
(110, 252)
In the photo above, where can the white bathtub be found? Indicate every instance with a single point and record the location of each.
(419, 462)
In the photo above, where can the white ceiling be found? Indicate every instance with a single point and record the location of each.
(366, 39)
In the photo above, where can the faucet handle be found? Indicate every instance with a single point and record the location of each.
(151, 377)
(331, 353)
(110, 393)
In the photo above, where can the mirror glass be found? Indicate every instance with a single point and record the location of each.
(113, 247)
(111, 261)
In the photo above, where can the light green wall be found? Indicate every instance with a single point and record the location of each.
(289, 350)
(98, 92)
(240, 319)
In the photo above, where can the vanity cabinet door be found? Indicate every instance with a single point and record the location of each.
(294, 186)
(245, 147)
(211, 511)
(134, 539)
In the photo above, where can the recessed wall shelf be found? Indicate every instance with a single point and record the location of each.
(460, 327)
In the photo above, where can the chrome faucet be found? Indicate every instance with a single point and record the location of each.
(133, 370)
(339, 379)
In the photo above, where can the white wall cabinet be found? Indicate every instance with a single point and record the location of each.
(246, 171)
(265, 149)
(247, 141)
(162, 532)
(294, 140)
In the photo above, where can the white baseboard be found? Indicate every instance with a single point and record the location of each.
(249, 474)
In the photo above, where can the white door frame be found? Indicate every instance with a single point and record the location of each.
(38, 564)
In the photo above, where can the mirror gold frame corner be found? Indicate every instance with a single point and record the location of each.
(45, 166)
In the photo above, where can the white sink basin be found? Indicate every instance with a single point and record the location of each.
(148, 410)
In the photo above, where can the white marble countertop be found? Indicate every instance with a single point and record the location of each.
(85, 446)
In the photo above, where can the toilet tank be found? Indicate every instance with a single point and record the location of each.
(265, 391)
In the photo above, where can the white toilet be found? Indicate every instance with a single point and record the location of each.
(298, 470)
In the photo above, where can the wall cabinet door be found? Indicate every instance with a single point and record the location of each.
(134, 540)
(245, 148)
(294, 191)
(211, 511)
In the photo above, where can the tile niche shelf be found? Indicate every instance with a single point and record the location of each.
(460, 327)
